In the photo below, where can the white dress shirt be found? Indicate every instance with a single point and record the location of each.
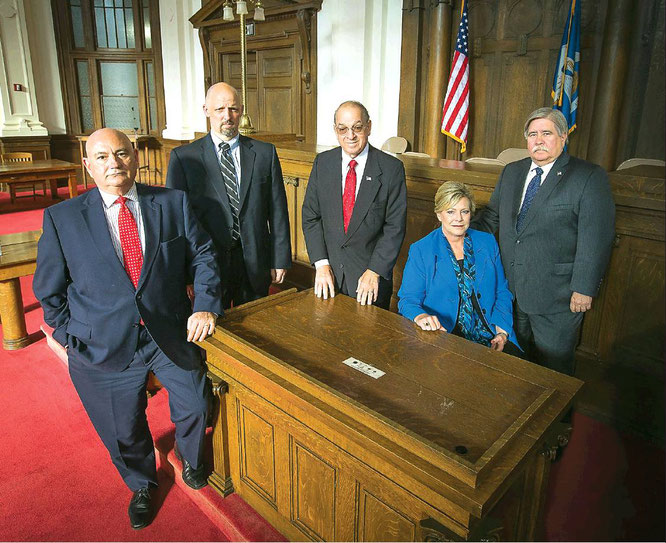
(234, 144)
(360, 159)
(111, 211)
(530, 175)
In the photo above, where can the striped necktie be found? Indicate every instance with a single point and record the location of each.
(229, 174)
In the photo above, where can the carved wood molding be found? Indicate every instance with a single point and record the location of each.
(304, 21)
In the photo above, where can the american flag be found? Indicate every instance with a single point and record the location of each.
(455, 114)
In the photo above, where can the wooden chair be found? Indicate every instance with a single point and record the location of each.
(483, 160)
(417, 155)
(9, 158)
(512, 154)
(395, 144)
(630, 163)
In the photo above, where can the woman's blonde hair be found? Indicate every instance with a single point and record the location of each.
(450, 193)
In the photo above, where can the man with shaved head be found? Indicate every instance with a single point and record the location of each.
(237, 192)
(112, 270)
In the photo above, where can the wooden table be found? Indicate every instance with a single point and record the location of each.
(41, 170)
(19, 257)
(453, 441)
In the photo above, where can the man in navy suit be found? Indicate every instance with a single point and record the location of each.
(237, 192)
(112, 267)
(556, 220)
(354, 213)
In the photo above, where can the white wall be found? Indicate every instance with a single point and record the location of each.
(182, 60)
(19, 111)
(358, 58)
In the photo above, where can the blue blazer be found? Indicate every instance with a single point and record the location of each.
(88, 297)
(429, 283)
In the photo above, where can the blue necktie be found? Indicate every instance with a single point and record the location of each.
(530, 193)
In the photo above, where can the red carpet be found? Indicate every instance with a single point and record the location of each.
(57, 482)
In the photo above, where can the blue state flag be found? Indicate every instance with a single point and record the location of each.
(565, 81)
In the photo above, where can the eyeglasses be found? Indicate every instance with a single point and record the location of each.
(356, 129)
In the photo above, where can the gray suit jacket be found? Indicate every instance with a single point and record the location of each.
(567, 236)
(377, 226)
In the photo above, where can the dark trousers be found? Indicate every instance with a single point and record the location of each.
(236, 286)
(549, 340)
(116, 405)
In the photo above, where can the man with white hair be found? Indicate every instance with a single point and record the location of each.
(556, 220)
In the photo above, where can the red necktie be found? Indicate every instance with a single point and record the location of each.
(349, 195)
(129, 241)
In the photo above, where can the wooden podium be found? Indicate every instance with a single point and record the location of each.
(342, 422)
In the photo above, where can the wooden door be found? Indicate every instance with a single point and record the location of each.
(273, 88)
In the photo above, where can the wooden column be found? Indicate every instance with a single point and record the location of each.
(410, 61)
(14, 332)
(610, 84)
(438, 71)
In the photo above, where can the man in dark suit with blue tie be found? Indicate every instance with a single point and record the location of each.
(112, 267)
(354, 213)
(556, 220)
(237, 192)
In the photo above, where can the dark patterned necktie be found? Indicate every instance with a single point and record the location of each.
(229, 175)
(349, 194)
(130, 242)
(530, 193)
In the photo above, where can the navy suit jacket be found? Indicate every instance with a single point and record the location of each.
(264, 219)
(377, 226)
(88, 297)
(567, 235)
(429, 283)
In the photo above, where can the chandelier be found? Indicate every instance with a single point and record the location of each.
(241, 9)
(245, 127)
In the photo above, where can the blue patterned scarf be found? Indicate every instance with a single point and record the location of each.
(471, 324)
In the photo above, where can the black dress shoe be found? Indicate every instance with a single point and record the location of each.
(140, 509)
(194, 478)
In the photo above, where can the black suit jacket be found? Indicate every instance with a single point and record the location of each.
(377, 226)
(567, 236)
(264, 219)
(88, 297)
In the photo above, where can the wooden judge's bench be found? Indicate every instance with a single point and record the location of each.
(342, 422)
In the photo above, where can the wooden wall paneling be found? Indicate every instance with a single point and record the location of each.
(482, 18)
(502, 34)
(612, 74)
(229, 66)
(288, 26)
(641, 127)
(313, 506)
(257, 452)
(278, 82)
(39, 146)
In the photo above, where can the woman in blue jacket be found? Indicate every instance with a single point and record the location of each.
(453, 280)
